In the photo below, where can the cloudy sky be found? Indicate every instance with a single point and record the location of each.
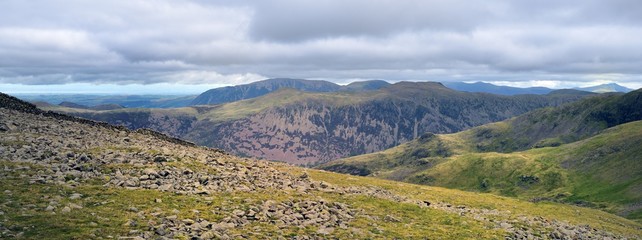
(185, 46)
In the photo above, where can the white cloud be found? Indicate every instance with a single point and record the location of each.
(210, 77)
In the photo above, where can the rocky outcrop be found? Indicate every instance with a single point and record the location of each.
(72, 151)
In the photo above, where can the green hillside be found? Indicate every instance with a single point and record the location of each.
(603, 171)
(69, 178)
(565, 154)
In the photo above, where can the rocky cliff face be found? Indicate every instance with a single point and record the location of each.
(319, 128)
(317, 131)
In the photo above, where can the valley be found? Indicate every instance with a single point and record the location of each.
(585, 153)
(308, 128)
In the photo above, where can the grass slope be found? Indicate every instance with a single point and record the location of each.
(536, 156)
(558, 125)
(107, 212)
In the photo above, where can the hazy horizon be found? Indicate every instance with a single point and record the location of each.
(183, 90)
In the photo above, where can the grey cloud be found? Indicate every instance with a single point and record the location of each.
(64, 41)
(292, 20)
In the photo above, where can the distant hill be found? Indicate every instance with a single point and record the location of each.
(604, 88)
(506, 90)
(72, 105)
(104, 107)
(495, 89)
(586, 153)
(570, 92)
(128, 101)
(100, 107)
(260, 88)
(365, 86)
(305, 127)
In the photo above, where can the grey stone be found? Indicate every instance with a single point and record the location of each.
(66, 209)
(325, 231)
(75, 196)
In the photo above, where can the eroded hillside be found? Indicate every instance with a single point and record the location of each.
(304, 128)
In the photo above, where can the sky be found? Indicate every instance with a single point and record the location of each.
(190, 46)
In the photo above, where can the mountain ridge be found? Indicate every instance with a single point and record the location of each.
(496, 89)
(507, 90)
(263, 87)
(304, 128)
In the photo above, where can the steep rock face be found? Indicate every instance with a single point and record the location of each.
(316, 131)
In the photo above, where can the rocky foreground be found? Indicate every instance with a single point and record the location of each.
(243, 198)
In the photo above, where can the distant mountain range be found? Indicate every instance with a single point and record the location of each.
(93, 100)
(506, 90)
(495, 89)
(260, 88)
(97, 107)
(586, 153)
(308, 127)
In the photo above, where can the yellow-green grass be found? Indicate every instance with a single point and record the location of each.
(283, 97)
(107, 211)
(603, 171)
(549, 210)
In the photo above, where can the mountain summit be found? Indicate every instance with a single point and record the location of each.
(604, 88)
(260, 88)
